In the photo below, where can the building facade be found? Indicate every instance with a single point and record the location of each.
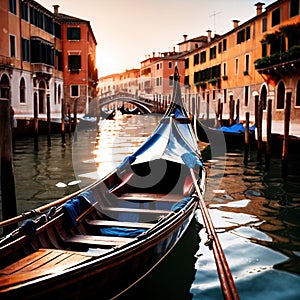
(36, 69)
(30, 57)
(255, 61)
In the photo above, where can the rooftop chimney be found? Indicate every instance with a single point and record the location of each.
(184, 37)
(56, 9)
(235, 23)
(259, 6)
(208, 36)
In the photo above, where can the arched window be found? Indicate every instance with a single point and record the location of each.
(263, 97)
(22, 91)
(4, 87)
(298, 93)
(280, 95)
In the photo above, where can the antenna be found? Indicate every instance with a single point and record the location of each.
(214, 14)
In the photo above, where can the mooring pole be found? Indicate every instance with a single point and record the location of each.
(246, 151)
(8, 193)
(269, 135)
(48, 121)
(63, 133)
(285, 148)
(35, 123)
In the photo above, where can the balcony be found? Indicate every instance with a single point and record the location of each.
(42, 69)
(284, 63)
(5, 61)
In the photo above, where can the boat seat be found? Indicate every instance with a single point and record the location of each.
(150, 197)
(109, 223)
(123, 185)
(95, 240)
(43, 262)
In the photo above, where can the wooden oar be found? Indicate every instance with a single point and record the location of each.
(36, 211)
(228, 286)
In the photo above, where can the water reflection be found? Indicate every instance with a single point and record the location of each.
(256, 214)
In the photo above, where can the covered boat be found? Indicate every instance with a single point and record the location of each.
(103, 239)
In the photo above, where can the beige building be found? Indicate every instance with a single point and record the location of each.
(256, 60)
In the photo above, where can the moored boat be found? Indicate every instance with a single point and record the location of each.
(104, 238)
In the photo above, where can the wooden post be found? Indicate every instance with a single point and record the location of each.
(75, 119)
(231, 109)
(63, 135)
(237, 108)
(287, 112)
(246, 151)
(256, 109)
(70, 120)
(221, 114)
(207, 106)
(36, 122)
(269, 135)
(48, 121)
(8, 193)
(259, 131)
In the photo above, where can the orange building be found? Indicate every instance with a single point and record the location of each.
(45, 57)
(79, 61)
(255, 61)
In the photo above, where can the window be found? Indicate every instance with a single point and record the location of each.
(280, 95)
(170, 65)
(186, 63)
(264, 25)
(224, 44)
(236, 66)
(248, 33)
(247, 59)
(157, 67)
(187, 80)
(74, 91)
(263, 97)
(240, 36)
(24, 10)
(275, 17)
(213, 52)
(171, 81)
(224, 69)
(25, 50)
(203, 57)
(41, 52)
(246, 96)
(225, 95)
(220, 47)
(73, 33)
(12, 41)
(298, 93)
(196, 59)
(74, 63)
(13, 6)
(22, 91)
(294, 8)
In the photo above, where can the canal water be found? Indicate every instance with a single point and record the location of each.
(256, 213)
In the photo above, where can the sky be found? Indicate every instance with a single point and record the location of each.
(128, 30)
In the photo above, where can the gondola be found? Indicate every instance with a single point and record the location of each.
(103, 239)
(107, 115)
(128, 111)
(233, 134)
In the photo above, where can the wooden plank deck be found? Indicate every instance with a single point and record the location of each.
(41, 263)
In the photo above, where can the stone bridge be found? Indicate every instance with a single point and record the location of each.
(145, 105)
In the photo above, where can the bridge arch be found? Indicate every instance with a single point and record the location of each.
(145, 105)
